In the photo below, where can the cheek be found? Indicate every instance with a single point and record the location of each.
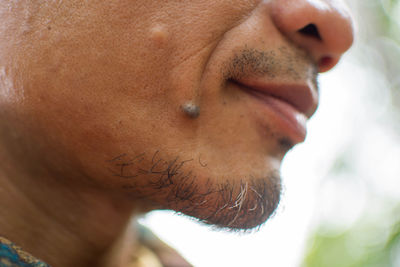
(89, 132)
(113, 83)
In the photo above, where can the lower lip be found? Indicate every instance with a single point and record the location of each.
(286, 118)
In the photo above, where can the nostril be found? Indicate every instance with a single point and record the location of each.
(311, 30)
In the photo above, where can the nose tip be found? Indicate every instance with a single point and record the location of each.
(323, 27)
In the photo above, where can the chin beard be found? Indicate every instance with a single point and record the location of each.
(232, 206)
(224, 203)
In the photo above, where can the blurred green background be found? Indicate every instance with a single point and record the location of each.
(359, 220)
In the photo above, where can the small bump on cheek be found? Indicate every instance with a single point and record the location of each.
(190, 109)
(159, 35)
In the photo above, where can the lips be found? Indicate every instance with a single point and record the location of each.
(287, 106)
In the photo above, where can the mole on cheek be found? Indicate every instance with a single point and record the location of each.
(159, 35)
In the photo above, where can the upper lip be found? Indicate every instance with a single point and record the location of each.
(302, 96)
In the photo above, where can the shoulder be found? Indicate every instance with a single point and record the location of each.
(152, 248)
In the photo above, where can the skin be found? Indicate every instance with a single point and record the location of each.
(94, 120)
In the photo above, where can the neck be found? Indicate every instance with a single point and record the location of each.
(63, 225)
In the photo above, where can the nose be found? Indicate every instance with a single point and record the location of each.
(323, 27)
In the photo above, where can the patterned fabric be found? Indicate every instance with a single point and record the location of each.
(13, 256)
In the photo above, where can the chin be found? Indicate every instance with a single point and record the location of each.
(234, 205)
(227, 198)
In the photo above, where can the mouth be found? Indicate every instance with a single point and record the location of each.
(286, 107)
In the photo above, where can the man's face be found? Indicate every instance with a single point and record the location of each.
(100, 94)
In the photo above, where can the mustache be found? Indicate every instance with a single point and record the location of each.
(287, 63)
